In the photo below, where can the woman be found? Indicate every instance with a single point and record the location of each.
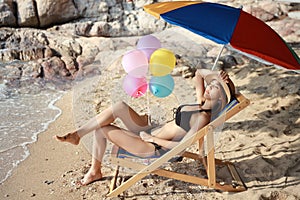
(135, 139)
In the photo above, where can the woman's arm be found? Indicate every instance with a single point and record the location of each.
(197, 122)
(161, 142)
(199, 83)
(205, 72)
(199, 86)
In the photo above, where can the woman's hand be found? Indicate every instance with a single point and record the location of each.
(201, 100)
(224, 76)
(146, 137)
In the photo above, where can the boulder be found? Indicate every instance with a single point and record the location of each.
(100, 29)
(70, 64)
(22, 44)
(31, 70)
(54, 69)
(27, 16)
(7, 17)
(91, 8)
(56, 12)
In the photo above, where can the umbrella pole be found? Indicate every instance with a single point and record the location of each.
(218, 57)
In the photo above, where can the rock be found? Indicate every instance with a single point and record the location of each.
(294, 15)
(83, 61)
(229, 61)
(89, 9)
(48, 182)
(55, 12)
(7, 17)
(32, 70)
(70, 64)
(22, 44)
(48, 52)
(14, 72)
(27, 16)
(54, 69)
(32, 53)
(66, 46)
(83, 29)
(261, 13)
(8, 55)
(287, 28)
(99, 29)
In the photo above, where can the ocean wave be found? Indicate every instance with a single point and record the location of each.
(32, 114)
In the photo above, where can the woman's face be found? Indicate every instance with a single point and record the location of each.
(213, 90)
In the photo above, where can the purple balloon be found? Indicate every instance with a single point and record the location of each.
(148, 41)
(135, 86)
(148, 44)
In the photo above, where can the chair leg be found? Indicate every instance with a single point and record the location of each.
(211, 165)
(202, 152)
(114, 180)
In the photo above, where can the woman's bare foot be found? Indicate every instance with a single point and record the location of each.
(90, 177)
(72, 138)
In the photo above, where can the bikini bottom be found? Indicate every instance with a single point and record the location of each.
(159, 150)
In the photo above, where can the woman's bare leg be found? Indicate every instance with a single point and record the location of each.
(99, 146)
(94, 173)
(122, 138)
(132, 120)
(128, 141)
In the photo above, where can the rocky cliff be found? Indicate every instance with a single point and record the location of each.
(45, 39)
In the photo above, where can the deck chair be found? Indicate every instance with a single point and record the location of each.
(156, 167)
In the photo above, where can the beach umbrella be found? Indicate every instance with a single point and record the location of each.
(229, 26)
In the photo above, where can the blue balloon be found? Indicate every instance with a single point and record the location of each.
(161, 86)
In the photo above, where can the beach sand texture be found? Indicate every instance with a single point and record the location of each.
(262, 140)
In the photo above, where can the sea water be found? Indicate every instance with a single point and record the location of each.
(22, 118)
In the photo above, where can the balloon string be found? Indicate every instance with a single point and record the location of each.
(148, 107)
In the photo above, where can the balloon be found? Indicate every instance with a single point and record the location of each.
(162, 62)
(148, 41)
(148, 52)
(135, 63)
(148, 44)
(161, 86)
(134, 86)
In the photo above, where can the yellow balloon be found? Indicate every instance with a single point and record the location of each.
(162, 62)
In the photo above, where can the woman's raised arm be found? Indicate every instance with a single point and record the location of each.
(199, 86)
(199, 83)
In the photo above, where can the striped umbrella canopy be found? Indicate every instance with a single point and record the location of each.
(229, 26)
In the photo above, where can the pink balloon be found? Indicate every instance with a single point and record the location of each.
(135, 86)
(135, 63)
(148, 41)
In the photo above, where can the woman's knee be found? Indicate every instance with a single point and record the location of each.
(120, 105)
(103, 131)
(120, 109)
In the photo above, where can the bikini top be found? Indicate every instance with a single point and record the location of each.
(183, 117)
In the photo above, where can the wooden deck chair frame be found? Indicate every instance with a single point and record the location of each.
(155, 167)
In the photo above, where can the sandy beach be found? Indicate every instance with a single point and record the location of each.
(262, 141)
(82, 48)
